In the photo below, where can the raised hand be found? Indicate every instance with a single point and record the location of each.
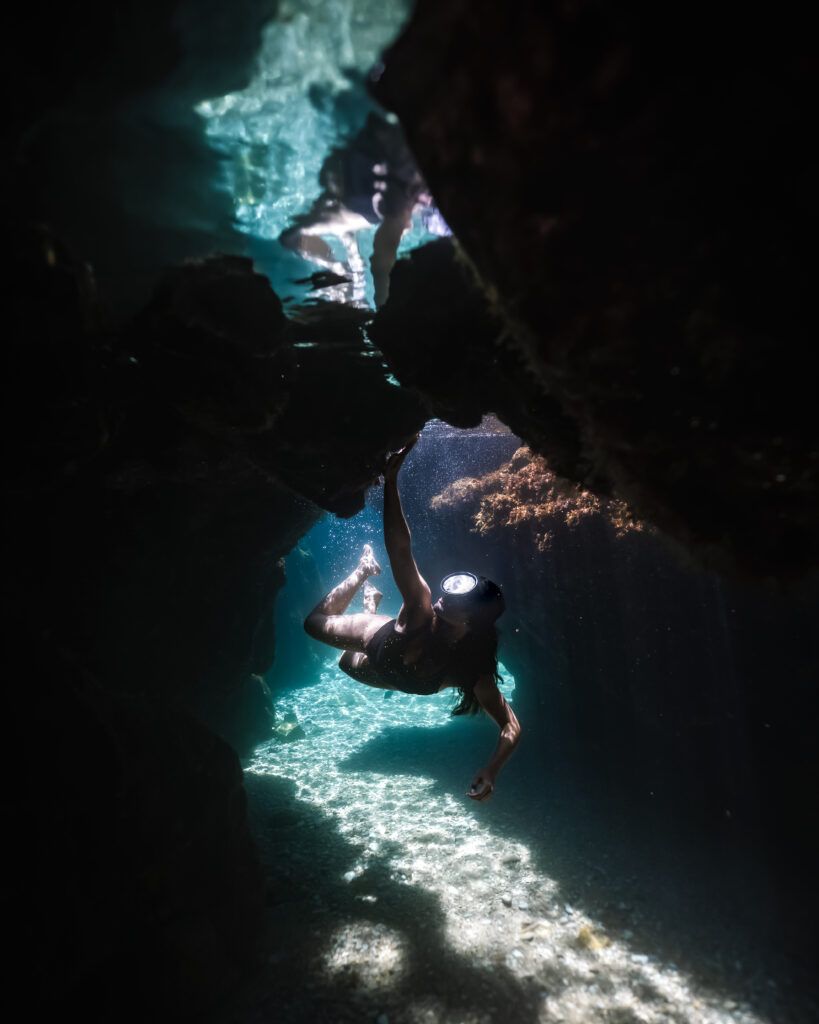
(395, 461)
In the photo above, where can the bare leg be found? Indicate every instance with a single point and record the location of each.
(385, 249)
(372, 598)
(338, 600)
(327, 621)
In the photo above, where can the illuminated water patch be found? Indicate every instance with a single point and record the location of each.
(307, 93)
(307, 97)
(500, 910)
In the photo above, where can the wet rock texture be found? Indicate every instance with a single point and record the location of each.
(631, 187)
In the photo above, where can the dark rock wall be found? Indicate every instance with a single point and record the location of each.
(160, 473)
(632, 186)
(132, 885)
(453, 349)
(105, 142)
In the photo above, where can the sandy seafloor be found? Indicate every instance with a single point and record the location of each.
(394, 899)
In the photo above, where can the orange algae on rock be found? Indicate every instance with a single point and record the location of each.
(525, 491)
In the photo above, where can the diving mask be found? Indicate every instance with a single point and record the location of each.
(458, 584)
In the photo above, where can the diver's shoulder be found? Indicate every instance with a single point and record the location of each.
(414, 626)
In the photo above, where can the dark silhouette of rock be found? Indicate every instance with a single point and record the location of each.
(322, 279)
(631, 186)
(136, 884)
(106, 145)
(451, 349)
(161, 470)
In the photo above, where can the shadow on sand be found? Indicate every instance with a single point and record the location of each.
(653, 884)
(394, 955)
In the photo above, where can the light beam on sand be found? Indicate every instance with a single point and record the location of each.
(499, 909)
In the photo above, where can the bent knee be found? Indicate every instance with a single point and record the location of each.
(355, 664)
(314, 625)
(347, 664)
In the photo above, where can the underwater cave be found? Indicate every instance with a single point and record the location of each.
(559, 252)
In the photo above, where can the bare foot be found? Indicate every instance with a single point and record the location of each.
(368, 563)
(372, 598)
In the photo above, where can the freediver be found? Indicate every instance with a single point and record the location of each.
(428, 647)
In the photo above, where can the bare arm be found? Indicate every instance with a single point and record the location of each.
(385, 249)
(494, 703)
(398, 542)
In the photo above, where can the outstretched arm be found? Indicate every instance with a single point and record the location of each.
(494, 703)
(413, 587)
(385, 249)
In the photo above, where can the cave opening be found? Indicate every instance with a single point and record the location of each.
(398, 886)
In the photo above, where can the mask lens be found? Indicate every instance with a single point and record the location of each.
(459, 583)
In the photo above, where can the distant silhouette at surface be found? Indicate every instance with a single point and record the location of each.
(372, 180)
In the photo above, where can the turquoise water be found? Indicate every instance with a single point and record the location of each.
(307, 96)
(330, 551)
(388, 777)
(308, 93)
(442, 455)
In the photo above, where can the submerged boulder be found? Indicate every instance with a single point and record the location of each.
(447, 344)
(631, 187)
(165, 468)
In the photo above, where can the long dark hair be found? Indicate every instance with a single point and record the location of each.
(475, 655)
